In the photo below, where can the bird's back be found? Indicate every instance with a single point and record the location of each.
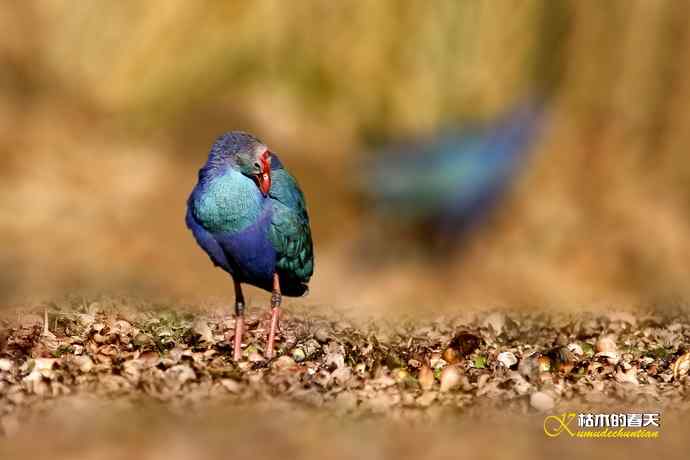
(290, 231)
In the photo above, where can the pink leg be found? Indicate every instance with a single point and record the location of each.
(239, 331)
(239, 322)
(275, 316)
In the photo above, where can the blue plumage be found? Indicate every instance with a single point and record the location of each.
(451, 180)
(247, 234)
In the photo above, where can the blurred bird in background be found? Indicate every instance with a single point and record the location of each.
(249, 215)
(442, 186)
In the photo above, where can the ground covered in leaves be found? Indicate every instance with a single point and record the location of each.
(529, 363)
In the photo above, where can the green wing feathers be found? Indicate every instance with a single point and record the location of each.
(290, 232)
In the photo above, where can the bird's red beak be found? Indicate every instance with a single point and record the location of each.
(264, 178)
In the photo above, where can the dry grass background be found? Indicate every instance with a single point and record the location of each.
(108, 108)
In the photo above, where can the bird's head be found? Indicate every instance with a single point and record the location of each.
(246, 154)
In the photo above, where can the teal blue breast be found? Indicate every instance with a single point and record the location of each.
(228, 203)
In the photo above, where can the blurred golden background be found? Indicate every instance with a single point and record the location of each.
(107, 110)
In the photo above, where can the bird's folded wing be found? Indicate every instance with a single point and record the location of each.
(206, 240)
(290, 233)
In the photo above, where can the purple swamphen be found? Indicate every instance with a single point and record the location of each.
(249, 215)
(448, 182)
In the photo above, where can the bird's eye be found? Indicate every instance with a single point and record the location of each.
(257, 165)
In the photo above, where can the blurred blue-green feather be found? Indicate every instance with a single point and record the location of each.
(454, 178)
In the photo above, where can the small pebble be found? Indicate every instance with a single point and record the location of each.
(507, 358)
(255, 357)
(341, 375)
(99, 338)
(311, 347)
(426, 377)
(322, 335)
(84, 362)
(576, 348)
(611, 356)
(451, 355)
(44, 364)
(541, 401)
(85, 319)
(334, 358)
(283, 362)
(605, 344)
(451, 377)
(298, 355)
(5, 364)
(142, 340)
(414, 363)
(403, 377)
(203, 330)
